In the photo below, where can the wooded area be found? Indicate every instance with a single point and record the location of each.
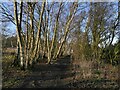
(53, 32)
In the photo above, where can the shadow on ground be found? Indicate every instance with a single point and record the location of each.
(62, 74)
(54, 75)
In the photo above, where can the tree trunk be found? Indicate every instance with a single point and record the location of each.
(75, 5)
(26, 44)
(32, 6)
(18, 29)
(55, 32)
(38, 33)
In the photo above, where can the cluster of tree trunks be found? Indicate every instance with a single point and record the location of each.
(50, 29)
(30, 42)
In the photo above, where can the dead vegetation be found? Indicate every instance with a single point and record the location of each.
(61, 74)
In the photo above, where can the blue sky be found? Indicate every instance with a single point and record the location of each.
(63, 0)
(12, 30)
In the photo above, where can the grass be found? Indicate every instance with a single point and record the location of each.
(10, 82)
(98, 72)
(105, 76)
(11, 76)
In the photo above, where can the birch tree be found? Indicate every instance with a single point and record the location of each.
(38, 32)
(66, 27)
(18, 29)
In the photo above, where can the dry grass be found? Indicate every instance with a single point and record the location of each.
(92, 69)
(87, 74)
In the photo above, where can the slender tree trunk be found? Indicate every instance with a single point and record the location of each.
(55, 32)
(45, 36)
(48, 49)
(32, 6)
(26, 44)
(18, 29)
(38, 33)
(45, 44)
(75, 5)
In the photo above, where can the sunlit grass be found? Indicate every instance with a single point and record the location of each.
(11, 76)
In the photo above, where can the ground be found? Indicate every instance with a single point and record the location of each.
(61, 74)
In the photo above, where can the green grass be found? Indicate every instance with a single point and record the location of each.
(11, 76)
(98, 72)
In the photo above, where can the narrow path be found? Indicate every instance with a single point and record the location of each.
(62, 75)
(54, 75)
